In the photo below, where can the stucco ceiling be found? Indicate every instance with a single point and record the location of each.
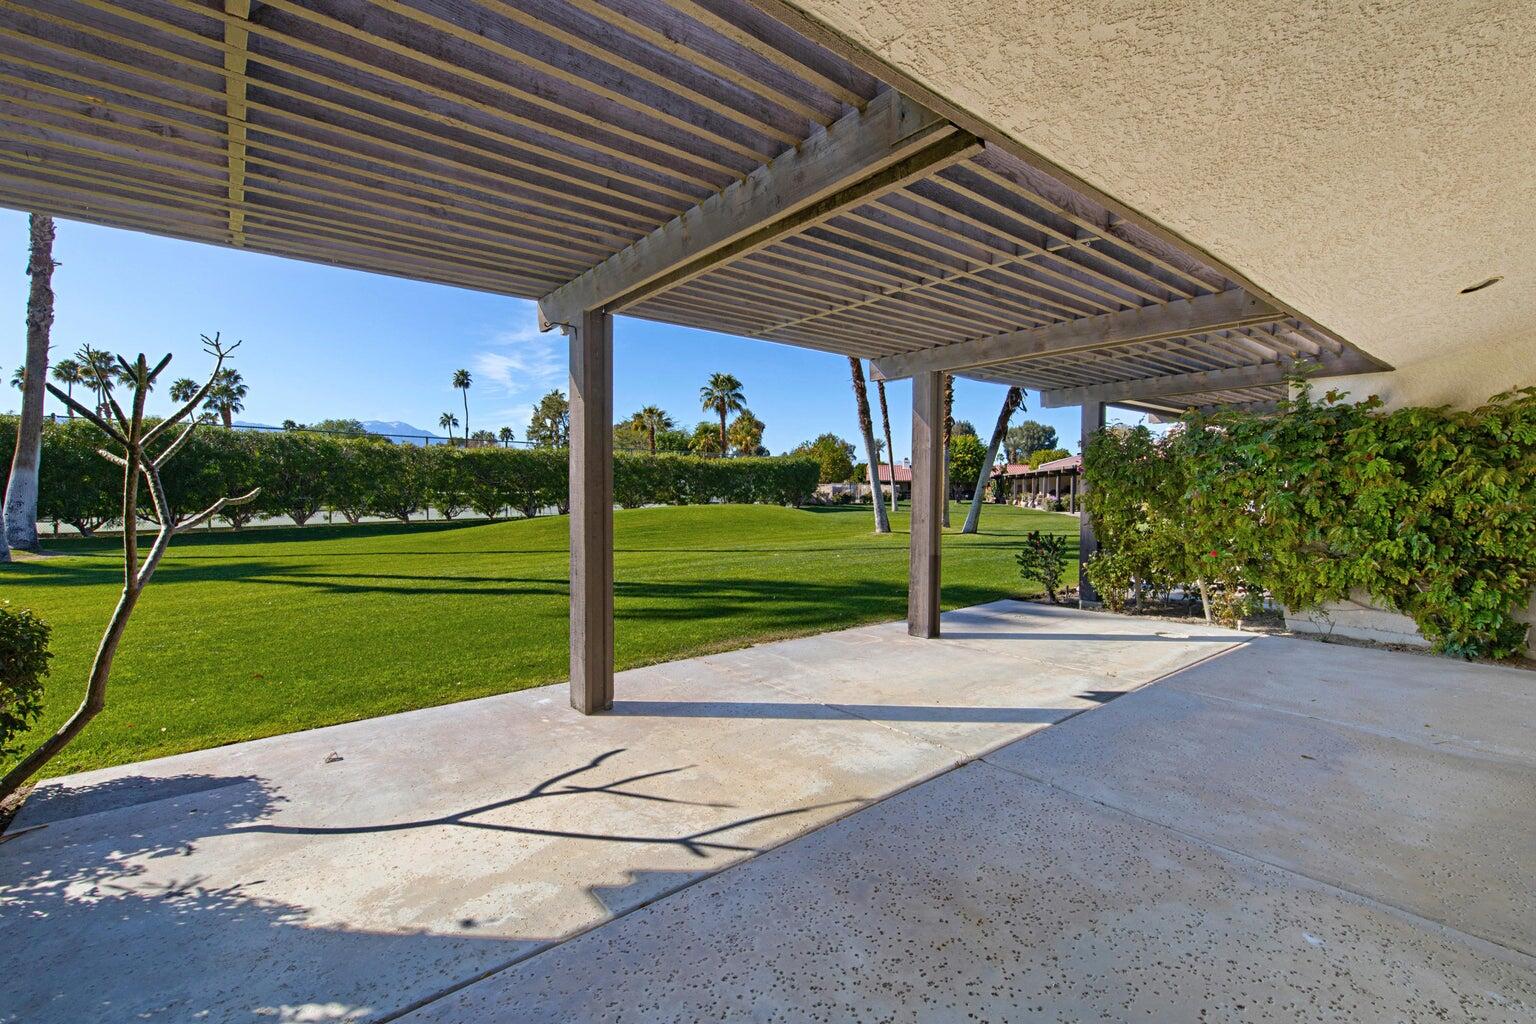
(1361, 162)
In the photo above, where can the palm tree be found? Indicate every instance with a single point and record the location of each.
(183, 390)
(19, 378)
(653, 420)
(462, 381)
(227, 395)
(872, 454)
(890, 446)
(448, 421)
(722, 396)
(26, 461)
(99, 370)
(69, 373)
(1011, 403)
(505, 436)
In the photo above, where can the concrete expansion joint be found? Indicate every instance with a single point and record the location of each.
(1512, 954)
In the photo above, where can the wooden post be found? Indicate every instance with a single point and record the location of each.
(926, 505)
(1087, 543)
(591, 483)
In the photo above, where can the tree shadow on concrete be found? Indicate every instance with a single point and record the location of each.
(698, 843)
(104, 928)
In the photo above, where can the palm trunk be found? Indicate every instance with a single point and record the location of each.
(723, 449)
(890, 447)
(69, 389)
(466, 417)
(651, 432)
(21, 491)
(1011, 402)
(867, 430)
(228, 417)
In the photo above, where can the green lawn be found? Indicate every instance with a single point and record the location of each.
(249, 634)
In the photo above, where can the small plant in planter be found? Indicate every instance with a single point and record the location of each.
(1043, 560)
(24, 658)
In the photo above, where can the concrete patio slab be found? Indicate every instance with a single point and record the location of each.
(352, 872)
(1486, 709)
(1438, 832)
(985, 896)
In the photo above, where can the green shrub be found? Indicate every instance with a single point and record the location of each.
(1043, 560)
(300, 473)
(1430, 511)
(24, 658)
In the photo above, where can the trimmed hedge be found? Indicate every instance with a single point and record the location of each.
(1430, 511)
(302, 474)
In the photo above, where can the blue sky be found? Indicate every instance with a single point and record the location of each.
(322, 342)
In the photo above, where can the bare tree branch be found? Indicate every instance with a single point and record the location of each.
(175, 446)
(214, 509)
(89, 414)
(196, 400)
(104, 387)
(159, 367)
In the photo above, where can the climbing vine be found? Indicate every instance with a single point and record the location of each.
(1432, 511)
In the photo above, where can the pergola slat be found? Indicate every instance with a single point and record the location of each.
(1174, 320)
(851, 152)
(1205, 380)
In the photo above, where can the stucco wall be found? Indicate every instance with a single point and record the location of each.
(1362, 162)
(1461, 377)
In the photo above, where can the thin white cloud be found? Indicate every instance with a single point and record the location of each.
(522, 362)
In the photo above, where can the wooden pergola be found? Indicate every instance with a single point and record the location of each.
(722, 164)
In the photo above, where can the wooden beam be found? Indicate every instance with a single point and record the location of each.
(591, 496)
(1206, 380)
(926, 505)
(1087, 541)
(863, 155)
(1250, 408)
(1221, 311)
(237, 41)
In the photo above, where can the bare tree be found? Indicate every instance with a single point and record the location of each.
(137, 441)
(21, 491)
(890, 447)
(861, 397)
(1011, 403)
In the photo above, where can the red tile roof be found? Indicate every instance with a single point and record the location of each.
(903, 474)
(1070, 464)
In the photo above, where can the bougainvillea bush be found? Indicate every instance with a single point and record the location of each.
(1432, 511)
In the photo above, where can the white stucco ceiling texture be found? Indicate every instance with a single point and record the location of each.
(1363, 162)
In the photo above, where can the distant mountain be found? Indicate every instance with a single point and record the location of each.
(396, 430)
(411, 434)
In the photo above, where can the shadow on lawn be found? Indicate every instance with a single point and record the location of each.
(118, 923)
(793, 602)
